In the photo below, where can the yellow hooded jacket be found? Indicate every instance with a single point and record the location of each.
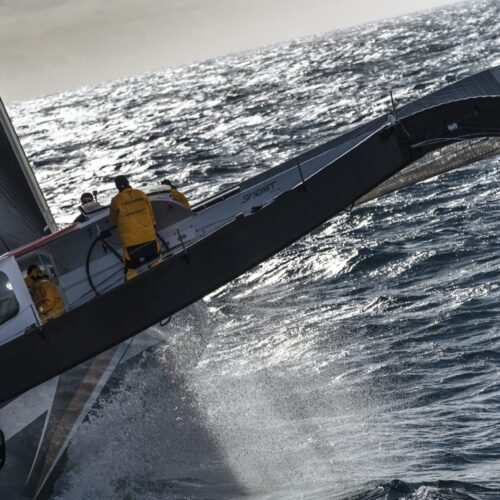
(132, 212)
(179, 197)
(47, 300)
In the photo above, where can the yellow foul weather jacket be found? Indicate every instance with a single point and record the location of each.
(180, 198)
(132, 212)
(47, 300)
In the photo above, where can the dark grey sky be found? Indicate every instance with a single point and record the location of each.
(52, 45)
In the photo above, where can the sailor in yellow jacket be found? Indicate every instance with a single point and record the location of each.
(176, 194)
(44, 293)
(132, 212)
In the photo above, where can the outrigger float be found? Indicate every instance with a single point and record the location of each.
(221, 238)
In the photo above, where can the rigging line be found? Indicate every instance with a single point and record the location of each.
(299, 166)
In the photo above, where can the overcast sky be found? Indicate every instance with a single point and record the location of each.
(52, 45)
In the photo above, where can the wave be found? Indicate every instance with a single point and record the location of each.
(427, 490)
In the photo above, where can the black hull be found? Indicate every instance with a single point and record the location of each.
(221, 257)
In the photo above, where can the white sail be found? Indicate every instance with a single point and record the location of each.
(25, 213)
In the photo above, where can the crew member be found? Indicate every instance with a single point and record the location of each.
(89, 204)
(176, 194)
(44, 293)
(132, 212)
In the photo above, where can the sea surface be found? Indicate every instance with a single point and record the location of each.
(363, 362)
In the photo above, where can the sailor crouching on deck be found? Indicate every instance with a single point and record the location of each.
(176, 195)
(132, 212)
(44, 293)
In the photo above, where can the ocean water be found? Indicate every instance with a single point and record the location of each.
(363, 362)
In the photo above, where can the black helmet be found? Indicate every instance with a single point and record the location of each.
(121, 182)
(31, 267)
(168, 182)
